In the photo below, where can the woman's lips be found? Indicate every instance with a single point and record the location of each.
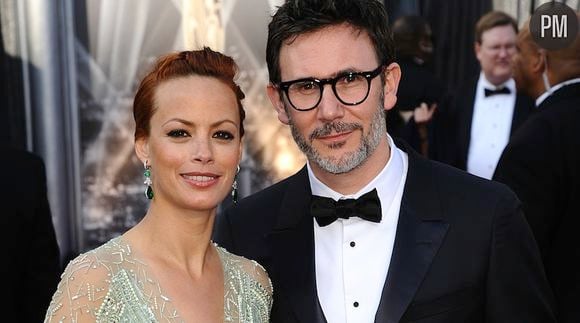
(200, 180)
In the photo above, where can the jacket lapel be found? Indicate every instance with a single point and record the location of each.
(420, 232)
(465, 119)
(292, 243)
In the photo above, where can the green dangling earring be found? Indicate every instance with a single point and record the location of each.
(235, 187)
(147, 174)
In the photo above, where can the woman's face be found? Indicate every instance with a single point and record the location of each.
(194, 146)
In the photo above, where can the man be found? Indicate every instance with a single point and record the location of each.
(30, 258)
(419, 90)
(542, 162)
(429, 243)
(479, 121)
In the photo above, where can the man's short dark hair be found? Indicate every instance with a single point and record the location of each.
(298, 17)
(491, 20)
(408, 32)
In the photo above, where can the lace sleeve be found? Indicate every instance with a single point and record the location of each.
(81, 291)
(248, 290)
(261, 276)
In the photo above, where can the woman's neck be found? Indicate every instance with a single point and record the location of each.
(175, 237)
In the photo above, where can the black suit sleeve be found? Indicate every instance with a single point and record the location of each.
(534, 179)
(32, 264)
(517, 288)
(42, 269)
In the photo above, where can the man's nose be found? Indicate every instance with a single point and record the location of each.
(330, 107)
(504, 52)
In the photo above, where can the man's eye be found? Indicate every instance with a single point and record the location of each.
(349, 78)
(178, 133)
(304, 87)
(225, 135)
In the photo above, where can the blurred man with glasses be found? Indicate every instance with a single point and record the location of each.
(368, 230)
(486, 110)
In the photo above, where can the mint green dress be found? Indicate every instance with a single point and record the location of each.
(109, 284)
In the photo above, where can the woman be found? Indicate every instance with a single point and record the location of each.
(188, 116)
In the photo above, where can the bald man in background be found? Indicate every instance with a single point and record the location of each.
(542, 162)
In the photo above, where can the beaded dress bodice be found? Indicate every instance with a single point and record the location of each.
(110, 284)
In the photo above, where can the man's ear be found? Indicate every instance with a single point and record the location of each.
(392, 76)
(142, 149)
(276, 100)
(477, 49)
(538, 61)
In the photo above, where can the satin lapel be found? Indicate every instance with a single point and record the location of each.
(466, 117)
(293, 252)
(420, 232)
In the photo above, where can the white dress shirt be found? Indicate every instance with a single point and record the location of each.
(352, 255)
(490, 127)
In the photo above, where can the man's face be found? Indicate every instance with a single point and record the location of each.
(494, 53)
(525, 62)
(335, 137)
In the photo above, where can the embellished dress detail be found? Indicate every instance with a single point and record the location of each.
(109, 284)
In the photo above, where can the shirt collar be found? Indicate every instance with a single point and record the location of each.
(484, 83)
(553, 89)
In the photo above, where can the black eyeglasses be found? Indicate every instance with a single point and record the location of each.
(350, 88)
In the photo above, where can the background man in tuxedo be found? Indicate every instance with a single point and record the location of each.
(477, 123)
(542, 162)
(30, 258)
(419, 90)
(368, 230)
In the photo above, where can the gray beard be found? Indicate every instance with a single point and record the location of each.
(351, 160)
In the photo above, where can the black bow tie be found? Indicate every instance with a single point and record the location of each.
(327, 210)
(503, 90)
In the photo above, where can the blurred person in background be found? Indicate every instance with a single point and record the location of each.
(475, 125)
(188, 135)
(30, 262)
(419, 91)
(541, 163)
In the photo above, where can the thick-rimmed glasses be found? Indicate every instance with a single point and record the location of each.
(351, 88)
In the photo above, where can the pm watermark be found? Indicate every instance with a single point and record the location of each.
(554, 25)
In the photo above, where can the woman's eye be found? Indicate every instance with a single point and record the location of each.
(225, 135)
(178, 133)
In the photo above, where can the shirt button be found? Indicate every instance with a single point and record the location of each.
(355, 304)
(352, 244)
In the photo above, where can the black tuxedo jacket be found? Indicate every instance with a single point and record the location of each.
(463, 251)
(30, 256)
(454, 124)
(542, 165)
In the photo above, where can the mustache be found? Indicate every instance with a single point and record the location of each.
(338, 127)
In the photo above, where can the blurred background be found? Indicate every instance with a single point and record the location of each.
(69, 70)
